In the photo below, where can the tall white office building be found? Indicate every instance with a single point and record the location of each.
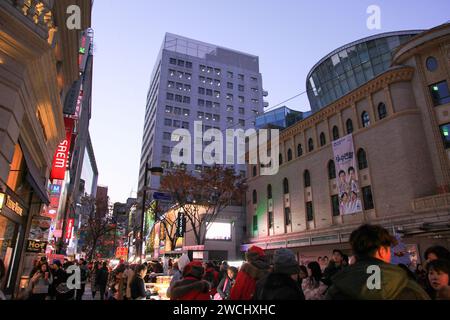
(196, 81)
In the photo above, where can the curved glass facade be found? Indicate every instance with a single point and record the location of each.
(351, 66)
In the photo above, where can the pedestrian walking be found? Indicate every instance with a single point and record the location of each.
(313, 286)
(255, 268)
(282, 282)
(371, 244)
(101, 279)
(137, 285)
(191, 287)
(439, 278)
(40, 283)
(225, 285)
(59, 276)
(92, 278)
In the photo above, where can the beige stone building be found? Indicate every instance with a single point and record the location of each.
(38, 65)
(399, 120)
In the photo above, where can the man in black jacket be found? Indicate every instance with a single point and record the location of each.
(335, 265)
(282, 283)
(372, 277)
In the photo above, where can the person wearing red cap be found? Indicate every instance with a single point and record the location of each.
(251, 271)
(191, 287)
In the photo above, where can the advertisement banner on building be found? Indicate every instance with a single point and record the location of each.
(51, 211)
(347, 176)
(181, 224)
(61, 156)
(40, 228)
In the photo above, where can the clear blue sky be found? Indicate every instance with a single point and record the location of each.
(289, 36)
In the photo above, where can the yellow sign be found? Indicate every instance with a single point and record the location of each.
(2, 199)
(14, 206)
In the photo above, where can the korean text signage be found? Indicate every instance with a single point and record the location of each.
(36, 246)
(61, 156)
(347, 176)
(181, 224)
(69, 228)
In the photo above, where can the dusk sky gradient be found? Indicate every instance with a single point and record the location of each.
(288, 36)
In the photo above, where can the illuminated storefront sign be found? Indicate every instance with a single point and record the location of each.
(69, 228)
(14, 206)
(36, 246)
(61, 156)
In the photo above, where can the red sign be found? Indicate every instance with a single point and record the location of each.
(62, 153)
(121, 252)
(69, 228)
(51, 210)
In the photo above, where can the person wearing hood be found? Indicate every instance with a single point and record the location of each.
(250, 272)
(178, 271)
(372, 246)
(283, 282)
(191, 287)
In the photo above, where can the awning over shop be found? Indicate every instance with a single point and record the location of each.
(34, 178)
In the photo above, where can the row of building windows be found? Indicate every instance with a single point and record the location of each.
(178, 98)
(361, 159)
(230, 85)
(334, 199)
(218, 71)
(181, 63)
(178, 111)
(180, 74)
(382, 113)
(176, 123)
(179, 86)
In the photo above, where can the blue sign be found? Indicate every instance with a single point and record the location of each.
(162, 196)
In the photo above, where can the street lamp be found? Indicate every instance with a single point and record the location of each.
(155, 171)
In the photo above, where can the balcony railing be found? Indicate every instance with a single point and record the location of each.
(432, 203)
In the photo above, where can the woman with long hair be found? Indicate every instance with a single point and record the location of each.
(137, 285)
(313, 287)
(41, 282)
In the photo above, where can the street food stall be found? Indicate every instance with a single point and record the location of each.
(158, 288)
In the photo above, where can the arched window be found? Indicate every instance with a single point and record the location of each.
(349, 125)
(289, 154)
(331, 170)
(269, 191)
(280, 159)
(255, 197)
(310, 145)
(362, 159)
(323, 140)
(254, 171)
(307, 179)
(335, 133)
(365, 119)
(382, 113)
(299, 150)
(285, 186)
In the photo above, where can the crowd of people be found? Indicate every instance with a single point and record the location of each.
(281, 278)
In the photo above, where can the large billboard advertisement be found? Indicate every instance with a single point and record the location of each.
(61, 156)
(347, 176)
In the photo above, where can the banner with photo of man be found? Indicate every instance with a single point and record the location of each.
(347, 176)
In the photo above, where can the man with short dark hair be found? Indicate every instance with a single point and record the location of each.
(371, 244)
(336, 264)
